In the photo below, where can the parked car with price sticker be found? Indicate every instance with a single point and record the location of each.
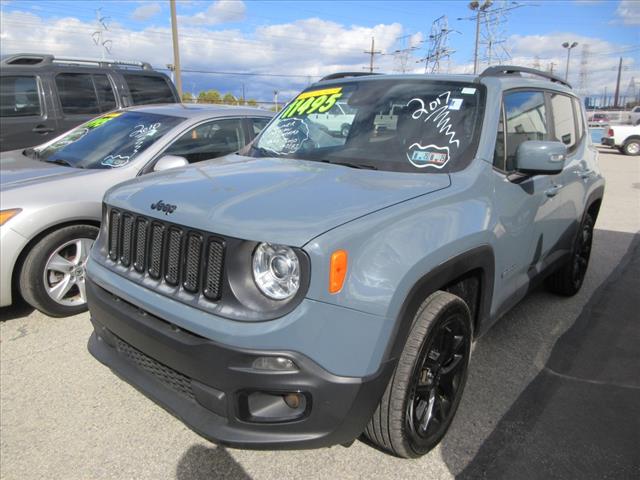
(51, 194)
(317, 287)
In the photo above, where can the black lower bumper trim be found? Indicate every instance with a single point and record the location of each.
(200, 381)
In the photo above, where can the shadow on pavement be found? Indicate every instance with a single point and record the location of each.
(18, 310)
(204, 463)
(580, 416)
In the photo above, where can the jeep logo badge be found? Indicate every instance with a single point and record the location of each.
(167, 208)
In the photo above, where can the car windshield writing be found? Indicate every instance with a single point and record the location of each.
(406, 125)
(110, 141)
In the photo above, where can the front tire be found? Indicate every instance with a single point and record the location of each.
(568, 280)
(423, 395)
(52, 278)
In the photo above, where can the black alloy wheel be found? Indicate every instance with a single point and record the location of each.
(437, 381)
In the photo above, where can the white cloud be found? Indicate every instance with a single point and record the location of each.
(629, 12)
(307, 48)
(220, 11)
(146, 11)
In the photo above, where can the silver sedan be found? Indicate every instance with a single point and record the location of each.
(50, 195)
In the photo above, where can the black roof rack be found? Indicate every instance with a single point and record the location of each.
(31, 59)
(335, 76)
(502, 70)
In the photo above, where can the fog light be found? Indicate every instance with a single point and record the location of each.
(278, 364)
(293, 400)
(273, 407)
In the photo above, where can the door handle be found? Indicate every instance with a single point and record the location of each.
(585, 174)
(42, 129)
(553, 191)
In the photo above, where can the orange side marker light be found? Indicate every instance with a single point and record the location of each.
(337, 270)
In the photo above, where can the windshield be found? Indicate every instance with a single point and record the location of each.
(396, 125)
(110, 141)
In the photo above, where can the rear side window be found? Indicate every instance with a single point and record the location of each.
(19, 96)
(84, 93)
(76, 92)
(526, 119)
(579, 119)
(149, 89)
(106, 98)
(563, 120)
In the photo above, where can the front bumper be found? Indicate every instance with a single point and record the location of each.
(203, 383)
(11, 244)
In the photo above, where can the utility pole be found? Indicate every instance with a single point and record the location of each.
(176, 51)
(617, 94)
(372, 54)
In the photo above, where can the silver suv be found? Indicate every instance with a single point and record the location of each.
(320, 286)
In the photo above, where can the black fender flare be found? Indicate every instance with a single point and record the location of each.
(480, 259)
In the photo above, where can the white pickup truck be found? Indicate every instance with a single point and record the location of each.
(625, 138)
(634, 116)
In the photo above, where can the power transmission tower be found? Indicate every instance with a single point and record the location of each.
(551, 67)
(584, 70)
(105, 45)
(631, 95)
(438, 48)
(401, 56)
(372, 53)
(494, 33)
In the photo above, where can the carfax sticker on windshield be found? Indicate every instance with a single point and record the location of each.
(319, 101)
(428, 156)
(115, 161)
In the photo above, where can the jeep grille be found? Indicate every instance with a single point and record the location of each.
(171, 255)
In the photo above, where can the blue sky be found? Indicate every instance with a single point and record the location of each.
(307, 39)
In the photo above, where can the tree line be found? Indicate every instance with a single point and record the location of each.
(214, 96)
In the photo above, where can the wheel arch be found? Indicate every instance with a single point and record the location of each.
(17, 266)
(469, 275)
(594, 202)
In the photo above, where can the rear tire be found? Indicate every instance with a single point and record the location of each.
(568, 280)
(52, 275)
(632, 147)
(424, 392)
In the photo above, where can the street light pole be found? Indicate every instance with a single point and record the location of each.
(475, 6)
(568, 46)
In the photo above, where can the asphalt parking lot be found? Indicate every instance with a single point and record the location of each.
(64, 415)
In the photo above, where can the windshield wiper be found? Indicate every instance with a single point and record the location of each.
(364, 166)
(264, 152)
(61, 161)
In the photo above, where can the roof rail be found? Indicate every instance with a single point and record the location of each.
(335, 76)
(502, 70)
(31, 59)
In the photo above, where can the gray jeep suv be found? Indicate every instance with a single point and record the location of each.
(321, 285)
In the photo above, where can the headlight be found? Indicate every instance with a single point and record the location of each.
(276, 271)
(6, 215)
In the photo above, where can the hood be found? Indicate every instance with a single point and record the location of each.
(278, 200)
(19, 170)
